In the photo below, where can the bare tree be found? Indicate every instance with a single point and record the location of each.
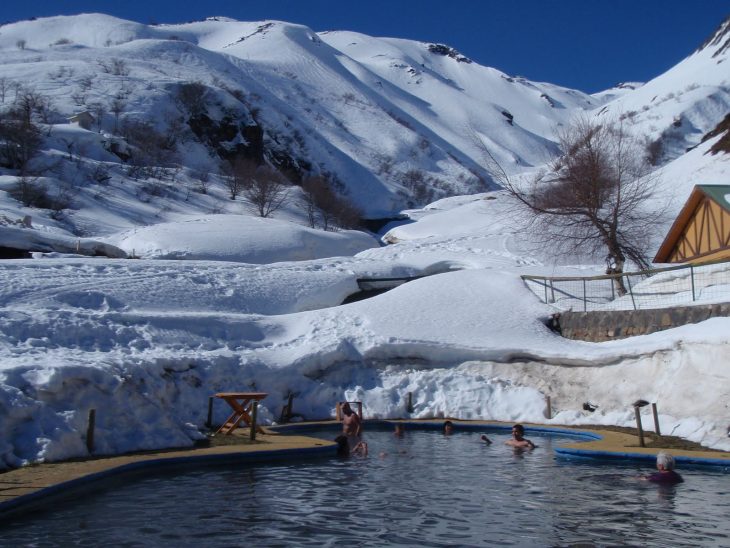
(4, 85)
(267, 191)
(420, 186)
(238, 175)
(203, 179)
(117, 106)
(79, 98)
(119, 67)
(30, 104)
(594, 198)
(99, 111)
(86, 82)
(190, 97)
(153, 155)
(31, 192)
(322, 203)
(313, 189)
(20, 140)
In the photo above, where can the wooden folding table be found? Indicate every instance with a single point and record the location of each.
(241, 403)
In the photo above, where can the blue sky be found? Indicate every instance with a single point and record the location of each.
(585, 44)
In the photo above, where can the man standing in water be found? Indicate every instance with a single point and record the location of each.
(351, 426)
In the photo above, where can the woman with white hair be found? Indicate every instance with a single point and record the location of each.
(666, 474)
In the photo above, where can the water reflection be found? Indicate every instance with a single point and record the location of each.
(426, 490)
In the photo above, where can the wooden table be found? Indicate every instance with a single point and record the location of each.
(241, 403)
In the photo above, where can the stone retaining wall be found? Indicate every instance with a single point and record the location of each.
(598, 326)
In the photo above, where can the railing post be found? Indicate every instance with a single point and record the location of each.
(656, 419)
(637, 412)
(552, 291)
(612, 281)
(545, 286)
(90, 431)
(692, 278)
(209, 420)
(409, 405)
(585, 300)
(549, 406)
(254, 413)
(631, 292)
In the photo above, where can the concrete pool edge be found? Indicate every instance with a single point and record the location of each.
(643, 457)
(106, 469)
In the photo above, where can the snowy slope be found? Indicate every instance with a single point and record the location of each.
(517, 117)
(679, 107)
(356, 113)
(394, 123)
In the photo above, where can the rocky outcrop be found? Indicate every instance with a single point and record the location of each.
(229, 138)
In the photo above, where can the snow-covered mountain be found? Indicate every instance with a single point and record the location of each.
(386, 119)
(392, 123)
(675, 110)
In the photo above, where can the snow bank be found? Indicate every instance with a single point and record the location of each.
(29, 239)
(238, 238)
(128, 339)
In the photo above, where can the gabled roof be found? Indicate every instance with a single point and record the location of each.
(84, 113)
(719, 194)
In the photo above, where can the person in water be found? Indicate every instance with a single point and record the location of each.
(485, 439)
(448, 428)
(400, 430)
(666, 474)
(518, 439)
(351, 426)
(344, 450)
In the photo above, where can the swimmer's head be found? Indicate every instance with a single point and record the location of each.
(665, 461)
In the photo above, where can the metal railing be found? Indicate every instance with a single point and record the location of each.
(656, 288)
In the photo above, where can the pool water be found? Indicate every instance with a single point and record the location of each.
(424, 489)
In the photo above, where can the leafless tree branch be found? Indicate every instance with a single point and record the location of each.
(594, 198)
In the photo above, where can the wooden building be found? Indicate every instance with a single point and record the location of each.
(84, 119)
(701, 231)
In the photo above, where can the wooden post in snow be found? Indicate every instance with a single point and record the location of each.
(90, 430)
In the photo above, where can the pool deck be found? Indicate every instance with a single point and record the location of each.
(23, 489)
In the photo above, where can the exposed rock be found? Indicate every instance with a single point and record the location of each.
(228, 138)
(548, 99)
(443, 49)
(721, 37)
(723, 144)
